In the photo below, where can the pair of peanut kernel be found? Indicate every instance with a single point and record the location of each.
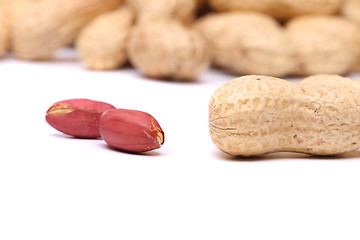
(124, 129)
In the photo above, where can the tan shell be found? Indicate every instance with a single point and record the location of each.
(248, 43)
(167, 49)
(255, 115)
(101, 45)
(330, 80)
(351, 10)
(182, 10)
(48, 25)
(280, 9)
(325, 44)
(14, 11)
(4, 32)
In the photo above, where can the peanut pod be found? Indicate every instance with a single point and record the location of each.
(255, 115)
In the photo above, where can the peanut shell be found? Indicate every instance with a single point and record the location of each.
(248, 43)
(4, 31)
(255, 115)
(180, 10)
(101, 45)
(280, 9)
(325, 44)
(351, 10)
(48, 25)
(168, 50)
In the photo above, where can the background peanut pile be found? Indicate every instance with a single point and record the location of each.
(181, 39)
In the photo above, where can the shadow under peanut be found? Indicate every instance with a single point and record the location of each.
(288, 156)
(65, 136)
(153, 153)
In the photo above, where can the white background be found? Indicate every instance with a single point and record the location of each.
(56, 187)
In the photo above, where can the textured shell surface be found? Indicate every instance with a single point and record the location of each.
(281, 9)
(254, 115)
(250, 43)
(101, 45)
(325, 44)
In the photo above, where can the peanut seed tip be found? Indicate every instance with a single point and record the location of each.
(160, 138)
(59, 109)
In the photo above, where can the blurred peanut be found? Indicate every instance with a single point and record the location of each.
(4, 31)
(325, 44)
(280, 9)
(48, 25)
(248, 43)
(181, 10)
(16, 9)
(351, 10)
(167, 49)
(101, 45)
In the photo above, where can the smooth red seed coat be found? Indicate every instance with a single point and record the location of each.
(77, 117)
(131, 130)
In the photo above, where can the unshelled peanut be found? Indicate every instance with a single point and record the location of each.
(248, 43)
(168, 49)
(101, 45)
(255, 115)
(4, 31)
(46, 26)
(281, 9)
(351, 10)
(180, 10)
(325, 44)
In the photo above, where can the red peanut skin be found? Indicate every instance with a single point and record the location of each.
(77, 117)
(131, 130)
